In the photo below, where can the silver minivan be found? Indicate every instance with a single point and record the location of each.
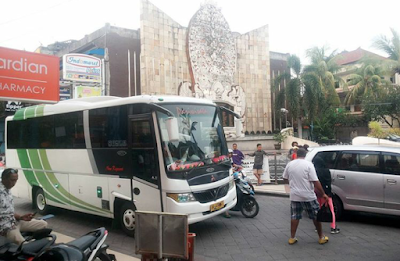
(364, 178)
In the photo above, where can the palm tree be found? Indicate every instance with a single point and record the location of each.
(367, 81)
(391, 47)
(324, 67)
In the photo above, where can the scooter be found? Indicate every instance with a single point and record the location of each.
(40, 247)
(33, 245)
(246, 202)
(86, 248)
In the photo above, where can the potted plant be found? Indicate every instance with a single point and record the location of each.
(279, 138)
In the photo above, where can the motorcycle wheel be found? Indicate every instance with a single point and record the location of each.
(249, 207)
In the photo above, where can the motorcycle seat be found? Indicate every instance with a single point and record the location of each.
(34, 247)
(83, 242)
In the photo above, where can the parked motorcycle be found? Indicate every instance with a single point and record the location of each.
(34, 244)
(88, 247)
(40, 247)
(246, 202)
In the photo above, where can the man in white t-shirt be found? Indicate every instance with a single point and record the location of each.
(302, 178)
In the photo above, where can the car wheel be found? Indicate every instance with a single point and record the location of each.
(127, 218)
(338, 207)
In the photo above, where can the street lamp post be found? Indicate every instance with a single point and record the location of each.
(283, 110)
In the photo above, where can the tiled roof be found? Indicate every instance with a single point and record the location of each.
(346, 57)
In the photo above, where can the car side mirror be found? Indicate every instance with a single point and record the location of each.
(172, 128)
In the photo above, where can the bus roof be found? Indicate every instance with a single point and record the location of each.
(81, 104)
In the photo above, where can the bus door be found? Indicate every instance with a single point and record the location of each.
(144, 161)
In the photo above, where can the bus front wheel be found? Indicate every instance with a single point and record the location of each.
(40, 201)
(127, 218)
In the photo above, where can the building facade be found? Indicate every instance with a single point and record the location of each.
(207, 60)
(278, 66)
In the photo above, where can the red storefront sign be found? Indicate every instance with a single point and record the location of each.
(27, 76)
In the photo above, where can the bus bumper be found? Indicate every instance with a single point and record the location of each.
(201, 211)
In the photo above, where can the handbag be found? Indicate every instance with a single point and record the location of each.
(324, 214)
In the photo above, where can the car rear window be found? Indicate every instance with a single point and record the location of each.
(329, 158)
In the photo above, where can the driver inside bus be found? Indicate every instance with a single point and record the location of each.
(11, 224)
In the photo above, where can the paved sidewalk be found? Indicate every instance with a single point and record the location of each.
(271, 189)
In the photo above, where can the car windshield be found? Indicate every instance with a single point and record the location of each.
(201, 137)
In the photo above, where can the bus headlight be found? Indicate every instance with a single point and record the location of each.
(181, 197)
(231, 184)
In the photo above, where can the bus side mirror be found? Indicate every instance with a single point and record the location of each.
(239, 127)
(172, 128)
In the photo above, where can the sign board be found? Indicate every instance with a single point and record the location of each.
(13, 106)
(247, 165)
(26, 76)
(65, 93)
(86, 91)
(81, 68)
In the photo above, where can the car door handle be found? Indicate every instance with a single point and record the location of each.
(391, 181)
(341, 177)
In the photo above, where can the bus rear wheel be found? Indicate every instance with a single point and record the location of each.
(127, 218)
(40, 202)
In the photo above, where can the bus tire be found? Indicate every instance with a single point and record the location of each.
(127, 218)
(40, 202)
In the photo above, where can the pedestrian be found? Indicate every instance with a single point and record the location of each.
(324, 176)
(294, 144)
(258, 162)
(237, 157)
(11, 224)
(302, 179)
(305, 146)
(294, 153)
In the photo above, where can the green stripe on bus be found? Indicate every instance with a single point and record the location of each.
(41, 176)
(19, 115)
(30, 112)
(24, 161)
(29, 175)
(40, 110)
(53, 179)
(50, 197)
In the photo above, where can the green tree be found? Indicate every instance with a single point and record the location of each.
(376, 130)
(366, 81)
(391, 46)
(383, 107)
(324, 67)
(290, 95)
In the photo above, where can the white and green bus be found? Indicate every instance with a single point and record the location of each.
(110, 156)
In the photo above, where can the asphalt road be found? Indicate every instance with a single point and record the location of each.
(362, 237)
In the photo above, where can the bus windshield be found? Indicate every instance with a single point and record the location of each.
(201, 137)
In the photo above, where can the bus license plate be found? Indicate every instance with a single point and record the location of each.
(217, 206)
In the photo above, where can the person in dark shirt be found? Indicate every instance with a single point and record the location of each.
(324, 176)
(258, 162)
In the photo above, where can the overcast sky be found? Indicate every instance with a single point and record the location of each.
(294, 25)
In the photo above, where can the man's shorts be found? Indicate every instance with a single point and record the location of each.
(257, 167)
(311, 207)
